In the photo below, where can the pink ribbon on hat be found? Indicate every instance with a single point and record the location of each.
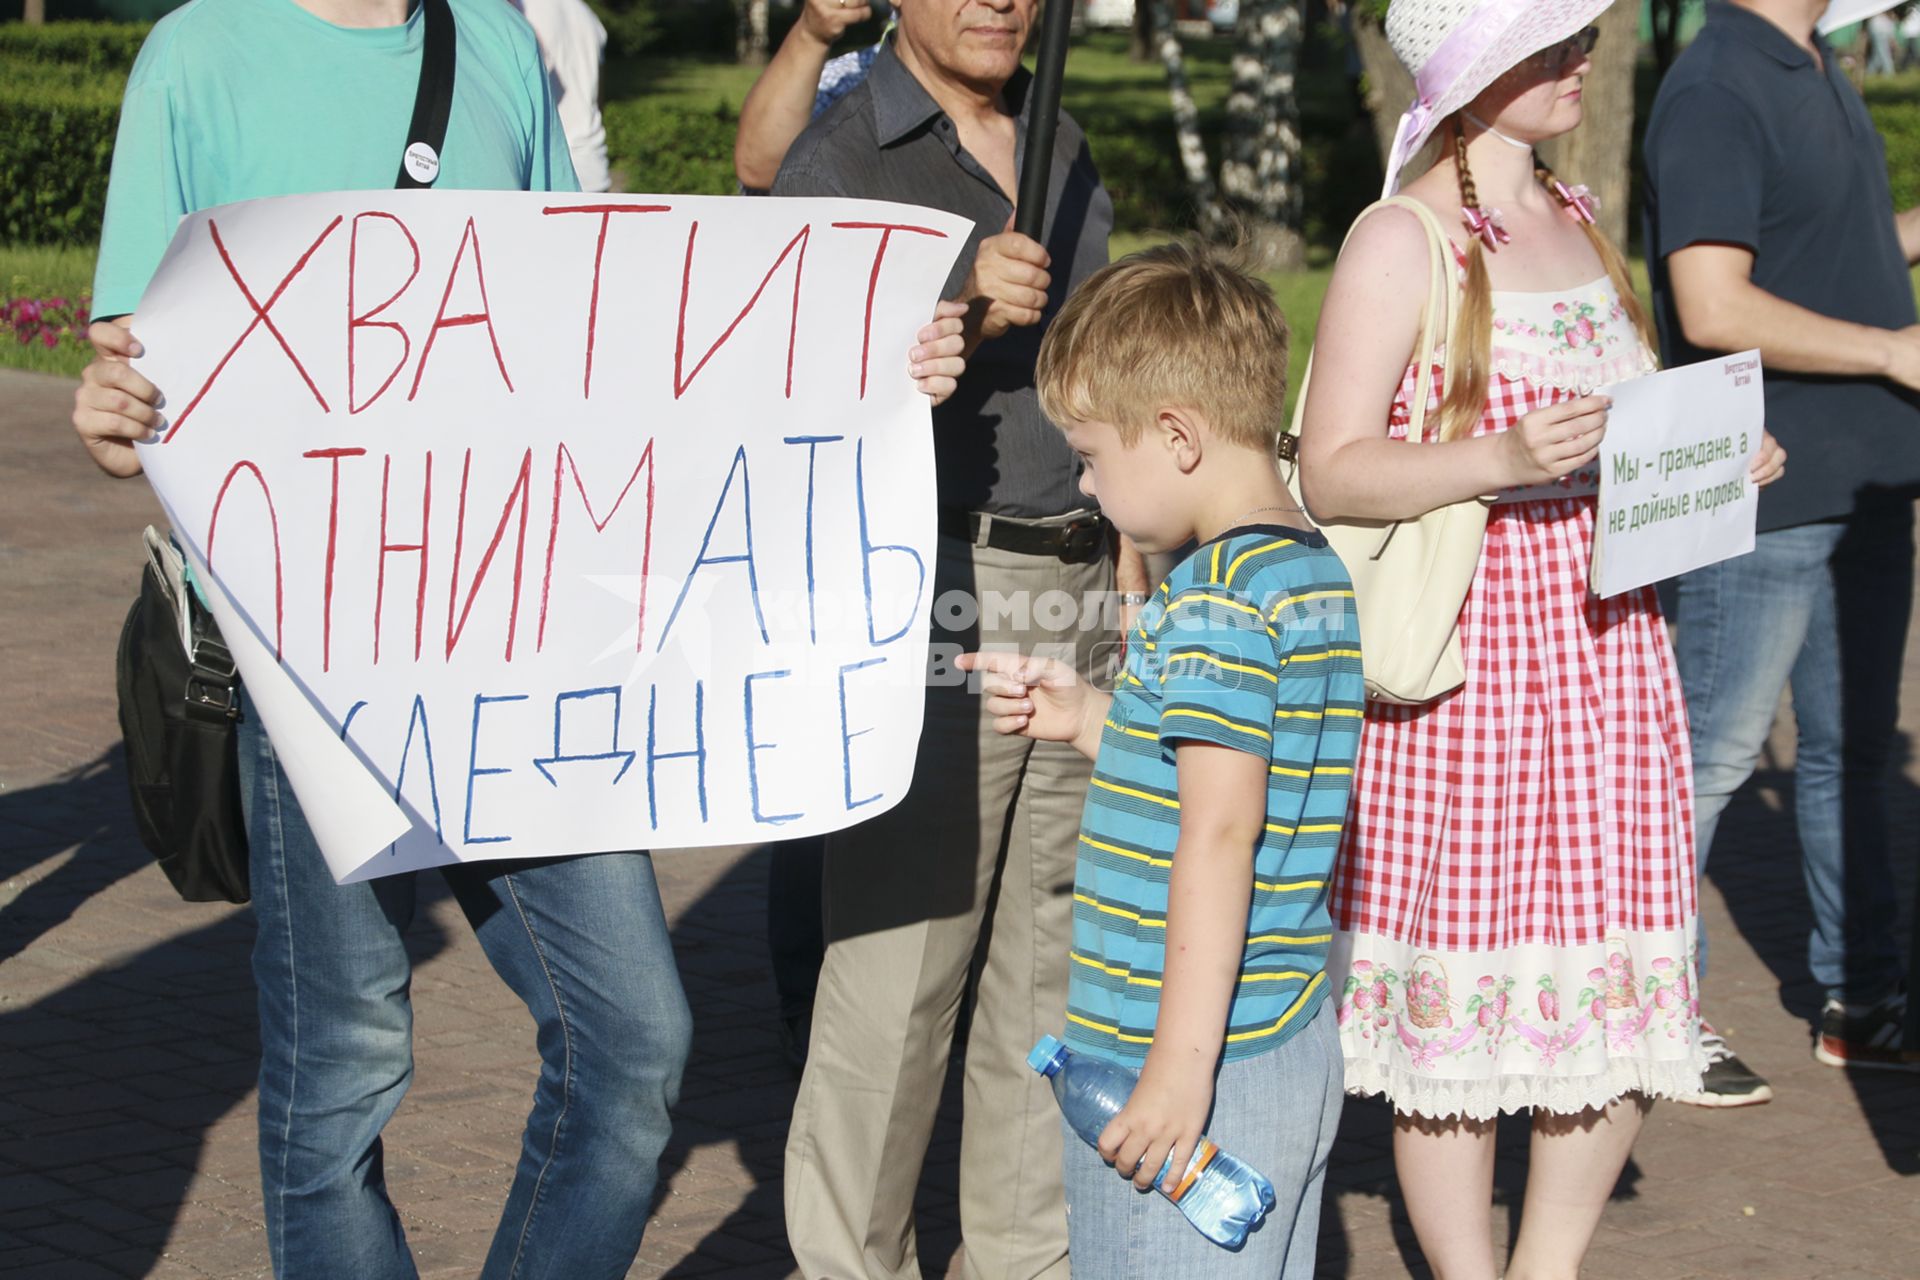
(1453, 59)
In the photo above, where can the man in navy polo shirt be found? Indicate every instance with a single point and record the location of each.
(1770, 224)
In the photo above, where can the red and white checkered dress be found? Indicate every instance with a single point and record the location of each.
(1515, 894)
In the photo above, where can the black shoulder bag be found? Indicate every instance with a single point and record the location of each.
(177, 686)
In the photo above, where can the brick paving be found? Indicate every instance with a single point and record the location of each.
(127, 1033)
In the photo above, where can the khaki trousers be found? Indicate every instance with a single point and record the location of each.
(972, 871)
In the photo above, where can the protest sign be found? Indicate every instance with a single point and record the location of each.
(1843, 12)
(1674, 490)
(551, 524)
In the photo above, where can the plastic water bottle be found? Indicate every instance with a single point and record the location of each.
(1222, 1196)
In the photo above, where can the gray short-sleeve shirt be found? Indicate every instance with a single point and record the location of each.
(888, 140)
(1754, 143)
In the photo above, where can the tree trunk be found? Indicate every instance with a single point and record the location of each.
(1599, 152)
(1386, 84)
(1260, 175)
(750, 46)
(34, 13)
(1141, 41)
(1186, 117)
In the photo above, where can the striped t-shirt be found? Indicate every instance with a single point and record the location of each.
(1251, 643)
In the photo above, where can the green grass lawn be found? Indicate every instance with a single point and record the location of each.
(1122, 104)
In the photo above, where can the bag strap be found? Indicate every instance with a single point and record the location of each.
(432, 101)
(1437, 319)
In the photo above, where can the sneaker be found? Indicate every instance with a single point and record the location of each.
(1728, 1082)
(1870, 1035)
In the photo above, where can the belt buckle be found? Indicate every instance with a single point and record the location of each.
(1081, 541)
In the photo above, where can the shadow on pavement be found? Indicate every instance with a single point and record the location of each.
(1756, 867)
(1362, 1166)
(109, 1085)
(84, 811)
(739, 1093)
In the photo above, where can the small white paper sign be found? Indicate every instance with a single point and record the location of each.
(1842, 12)
(552, 524)
(1674, 490)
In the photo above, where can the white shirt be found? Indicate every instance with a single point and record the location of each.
(572, 42)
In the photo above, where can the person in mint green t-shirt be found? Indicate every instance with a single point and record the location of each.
(234, 99)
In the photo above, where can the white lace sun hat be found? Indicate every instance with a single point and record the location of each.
(1456, 48)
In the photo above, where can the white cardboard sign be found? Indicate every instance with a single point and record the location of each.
(1674, 490)
(549, 524)
(1842, 12)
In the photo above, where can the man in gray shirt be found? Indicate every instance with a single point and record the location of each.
(974, 869)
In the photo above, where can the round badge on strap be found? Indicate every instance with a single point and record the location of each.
(423, 162)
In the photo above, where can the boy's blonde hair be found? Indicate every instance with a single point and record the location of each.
(1182, 325)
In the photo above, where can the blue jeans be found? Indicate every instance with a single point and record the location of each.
(1822, 608)
(582, 941)
(1279, 1113)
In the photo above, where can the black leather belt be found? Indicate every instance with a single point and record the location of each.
(1081, 541)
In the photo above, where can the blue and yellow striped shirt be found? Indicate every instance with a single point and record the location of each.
(1251, 643)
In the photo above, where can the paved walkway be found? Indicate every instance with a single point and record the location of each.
(127, 1033)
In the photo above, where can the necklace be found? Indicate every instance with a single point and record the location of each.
(1515, 143)
(1284, 506)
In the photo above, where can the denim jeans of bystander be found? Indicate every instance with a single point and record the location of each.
(582, 941)
(1822, 608)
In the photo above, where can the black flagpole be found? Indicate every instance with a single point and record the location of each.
(1043, 116)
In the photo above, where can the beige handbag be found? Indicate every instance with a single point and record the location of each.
(1410, 577)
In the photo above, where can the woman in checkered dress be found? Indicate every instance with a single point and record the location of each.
(1515, 897)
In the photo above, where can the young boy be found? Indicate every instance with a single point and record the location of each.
(1223, 761)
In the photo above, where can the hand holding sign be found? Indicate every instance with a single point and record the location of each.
(114, 406)
(939, 356)
(1555, 440)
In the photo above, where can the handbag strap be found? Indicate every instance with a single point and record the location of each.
(432, 101)
(1436, 320)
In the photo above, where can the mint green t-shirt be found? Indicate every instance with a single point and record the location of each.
(237, 99)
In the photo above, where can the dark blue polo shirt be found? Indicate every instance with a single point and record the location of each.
(1752, 142)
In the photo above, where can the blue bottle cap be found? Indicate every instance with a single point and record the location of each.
(1048, 1056)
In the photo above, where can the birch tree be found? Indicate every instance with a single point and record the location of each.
(1260, 173)
(750, 41)
(1259, 192)
(1186, 119)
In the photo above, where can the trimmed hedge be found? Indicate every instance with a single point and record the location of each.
(670, 149)
(1895, 103)
(60, 88)
(55, 152)
(102, 48)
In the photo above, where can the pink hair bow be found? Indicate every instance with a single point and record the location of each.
(1486, 226)
(1582, 201)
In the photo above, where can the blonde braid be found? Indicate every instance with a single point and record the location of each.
(1610, 258)
(1470, 350)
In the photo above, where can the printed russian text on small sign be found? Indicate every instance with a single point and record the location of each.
(1674, 487)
